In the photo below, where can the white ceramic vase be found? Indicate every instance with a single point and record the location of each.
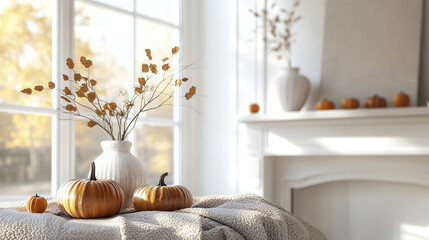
(292, 89)
(117, 163)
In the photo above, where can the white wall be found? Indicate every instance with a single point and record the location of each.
(208, 40)
(371, 47)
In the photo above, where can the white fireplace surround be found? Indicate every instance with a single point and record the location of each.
(296, 150)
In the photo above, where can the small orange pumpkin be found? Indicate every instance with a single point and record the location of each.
(325, 104)
(162, 197)
(376, 102)
(254, 108)
(401, 100)
(90, 198)
(350, 103)
(36, 204)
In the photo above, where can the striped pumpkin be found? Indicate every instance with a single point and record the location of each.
(254, 108)
(162, 197)
(376, 102)
(325, 104)
(401, 100)
(36, 204)
(350, 103)
(90, 198)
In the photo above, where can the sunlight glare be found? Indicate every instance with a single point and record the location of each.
(279, 142)
(412, 232)
(359, 144)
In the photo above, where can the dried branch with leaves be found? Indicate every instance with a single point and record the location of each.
(280, 22)
(82, 100)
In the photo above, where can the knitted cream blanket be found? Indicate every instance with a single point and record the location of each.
(215, 217)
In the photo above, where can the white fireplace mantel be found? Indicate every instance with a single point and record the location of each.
(294, 150)
(335, 114)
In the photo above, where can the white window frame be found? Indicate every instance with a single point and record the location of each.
(63, 131)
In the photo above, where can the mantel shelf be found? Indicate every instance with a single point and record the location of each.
(335, 114)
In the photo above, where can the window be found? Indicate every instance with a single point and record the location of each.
(39, 147)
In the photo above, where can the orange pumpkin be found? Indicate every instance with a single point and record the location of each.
(254, 108)
(90, 198)
(376, 102)
(350, 103)
(36, 204)
(162, 197)
(401, 100)
(325, 105)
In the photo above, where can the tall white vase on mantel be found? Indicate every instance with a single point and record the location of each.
(117, 163)
(292, 89)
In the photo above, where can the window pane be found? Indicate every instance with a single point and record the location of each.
(160, 44)
(167, 10)
(25, 154)
(87, 146)
(155, 147)
(104, 36)
(125, 4)
(25, 50)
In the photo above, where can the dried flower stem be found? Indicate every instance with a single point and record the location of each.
(280, 22)
(106, 114)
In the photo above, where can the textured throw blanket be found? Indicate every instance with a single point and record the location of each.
(215, 217)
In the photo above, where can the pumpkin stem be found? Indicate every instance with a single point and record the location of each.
(161, 179)
(92, 174)
(36, 195)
